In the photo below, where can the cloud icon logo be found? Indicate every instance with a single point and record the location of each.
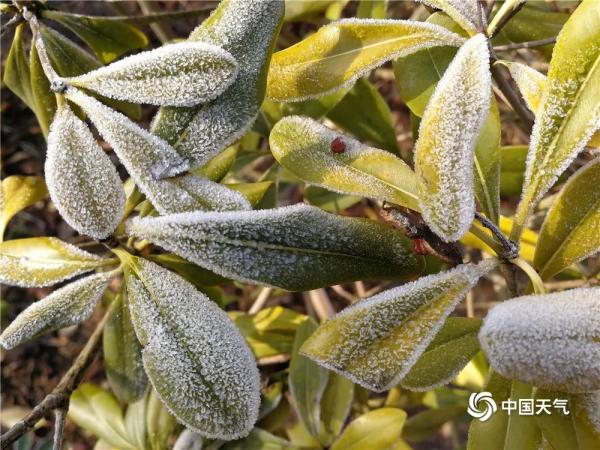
(481, 406)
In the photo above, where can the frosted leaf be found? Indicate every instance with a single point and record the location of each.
(376, 341)
(550, 341)
(303, 146)
(188, 440)
(531, 83)
(82, 181)
(261, 246)
(463, 12)
(247, 29)
(43, 261)
(182, 74)
(66, 306)
(447, 137)
(195, 357)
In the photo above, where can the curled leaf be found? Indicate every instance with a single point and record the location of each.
(247, 29)
(82, 181)
(447, 136)
(261, 246)
(304, 147)
(551, 341)
(340, 52)
(195, 357)
(182, 74)
(43, 261)
(66, 306)
(376, 341)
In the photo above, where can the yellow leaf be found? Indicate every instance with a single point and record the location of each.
(18, 192)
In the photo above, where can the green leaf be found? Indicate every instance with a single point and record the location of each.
(261, 246)
(570, 231)
(464, 13)
(17, 193)
(66, 306)
(99, 412)
(570, 110)
(503, 14)
(512, 169)
(341, 52)
(82, 181)
(270, 399)
(123, 354)
(426, 424)
(270, 331)
(159, 423)
(303, 146)
(135, 423)
(376, 342)
(364, 113)
(451, 349)
(43, 261)
(561, 352)
(374, 9)
(248, 31)
(307, 381)
(219, 165)
(260, 440)
(298, 10)
(44, 99)
(109, 39)
(69, 60)
(181, 74)
(503, 431)
(254, 192)
(327, 200)
(16, 70)
(574, 431)
(447, 137)
(336, 403)
(379, 429)
(191, 272)
(194, 356)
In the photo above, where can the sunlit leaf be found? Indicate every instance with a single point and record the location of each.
(339, 53)
(109, 39)
(570, 110)
(447, 138)
(304, 147)
(307, 381)
(194, 356)
(571, 229)
(219, 165)
(364, 113)
(182, 74)
(253, 192)
(551, 341)
(247, 29)
(19, 192)
(451, 349)
(261, 246)
(43, 261)
(463, 12)
(505, 11)
(16, 69)
(380, 428)
(66, 306)
(531, 83)
(82, 181)
(123, 354)
(298, 10)
(376, 341)
(336, 403)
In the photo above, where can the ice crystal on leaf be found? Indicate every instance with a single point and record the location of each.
(376, 341)
(531, 83)
(551, 341)
(83, 183)
(182, 74)
(43, 261)
(463, 12)
(195, 357)
(247, 29)
(261, 246)
(447, 136)
(66, 306)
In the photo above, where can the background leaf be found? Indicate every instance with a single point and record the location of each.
(19, 192)
(336, 403)
(380, 428)
(463, 13)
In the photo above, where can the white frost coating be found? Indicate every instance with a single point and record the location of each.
(447, 137)
(66, 306)
(207, 195)
(246, 29)
(46, 262)
(182, 74)
(464, 12)
(262, 246)
(591, 405)
(376, 341)
(82, 182)
(188, 440)
(551, 341)
(530, 82)
(195, 357)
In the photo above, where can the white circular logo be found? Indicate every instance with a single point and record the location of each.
(484, 400)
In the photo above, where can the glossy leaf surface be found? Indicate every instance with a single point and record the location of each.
(380, 429)
(19, 192)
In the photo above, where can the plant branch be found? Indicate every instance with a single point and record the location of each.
(534, 277)
(162, 31)
(55, 80)
(60, 415)
(12, 23)
(510, 248)
(503, 15)
(59, 397)
(527, 44)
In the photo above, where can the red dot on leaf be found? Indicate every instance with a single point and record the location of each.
(420, 247)
(338, 145)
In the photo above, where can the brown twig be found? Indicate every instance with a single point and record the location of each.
(60, 415)
(58, 399)
(527, 44)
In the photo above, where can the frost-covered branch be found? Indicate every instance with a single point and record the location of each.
(40, 47)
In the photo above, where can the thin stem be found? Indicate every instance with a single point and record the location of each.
(321, 304)
(12, 23)
(536, 281)
(60, 415)
(486, 239)
(261, 300)
(40, 46)
(59, 397)
(162, 31)
(503, 15)
(510, 248)
(528, 44)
